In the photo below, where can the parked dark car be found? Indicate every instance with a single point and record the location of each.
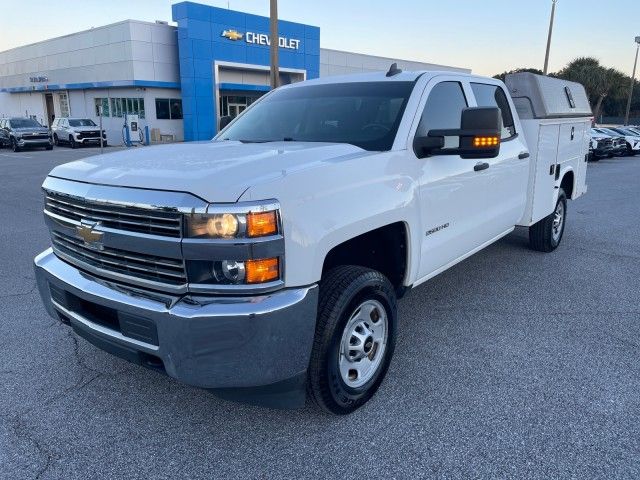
(618, 142)
(20, 132)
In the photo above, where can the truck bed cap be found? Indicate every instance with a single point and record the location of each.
(538, 96)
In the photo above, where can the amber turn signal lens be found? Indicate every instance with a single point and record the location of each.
(260, 271)
(480, 142)
(262, 223)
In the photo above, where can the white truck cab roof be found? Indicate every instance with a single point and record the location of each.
(401, 76)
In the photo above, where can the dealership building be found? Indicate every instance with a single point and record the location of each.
(179, 79)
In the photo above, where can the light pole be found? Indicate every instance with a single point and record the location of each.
(275, 43)
(633, 80)
(546, 57)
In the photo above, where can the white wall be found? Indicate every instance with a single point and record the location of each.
(121, 51)
(23, 104)
(83, 105)
(337, 62)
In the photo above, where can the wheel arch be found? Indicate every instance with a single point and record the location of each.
(386, 248)
(568, 182)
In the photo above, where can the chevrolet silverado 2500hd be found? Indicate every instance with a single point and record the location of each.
(266, 263)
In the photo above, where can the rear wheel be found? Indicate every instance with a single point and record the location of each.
(546, 235)
(55, 140)
(354, 339)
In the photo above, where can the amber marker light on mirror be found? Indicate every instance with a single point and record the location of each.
(260, 224)
(480, 142)
(261, 271)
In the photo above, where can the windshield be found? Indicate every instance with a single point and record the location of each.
(82, 122)
(626, 131)
(363, 114)
(23, 123)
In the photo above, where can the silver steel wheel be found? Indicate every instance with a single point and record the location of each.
(558, 222)
(363, 344)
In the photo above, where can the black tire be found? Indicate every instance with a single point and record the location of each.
(14, 145)
(56, 142)
(49, 147)
(72, 142)
(342, 291)
(541, 234)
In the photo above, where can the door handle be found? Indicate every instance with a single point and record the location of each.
(480, 166)
(523, 155)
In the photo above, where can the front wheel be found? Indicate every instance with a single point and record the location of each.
(354, 339)
(56, 142)
(72, 142)
(14, 145)
(546, 235)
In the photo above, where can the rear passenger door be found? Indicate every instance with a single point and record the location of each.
(507, 177)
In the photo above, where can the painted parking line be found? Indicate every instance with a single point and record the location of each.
(14, 156)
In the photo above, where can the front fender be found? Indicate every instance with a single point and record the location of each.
(337, 201)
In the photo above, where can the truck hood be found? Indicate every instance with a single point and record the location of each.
(214, 171)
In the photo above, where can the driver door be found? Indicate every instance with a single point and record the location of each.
(451, 192)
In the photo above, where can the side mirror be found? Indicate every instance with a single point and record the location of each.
(224, 121)
(479, 136)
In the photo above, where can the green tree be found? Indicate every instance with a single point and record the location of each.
(600, 82)
(501, 76)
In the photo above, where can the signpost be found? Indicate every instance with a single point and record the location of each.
(274, 44)
(101, 142)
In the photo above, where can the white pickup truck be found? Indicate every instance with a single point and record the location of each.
(266, 264)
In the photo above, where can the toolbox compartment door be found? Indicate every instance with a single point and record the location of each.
(545, 167)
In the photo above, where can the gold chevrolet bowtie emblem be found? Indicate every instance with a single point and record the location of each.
(86, 231)
(232, 35)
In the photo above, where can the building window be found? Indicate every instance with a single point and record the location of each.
(64, 104)
(119, 106)
(168, 108)
(104, 103)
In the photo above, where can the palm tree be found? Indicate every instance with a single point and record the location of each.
(599, 82)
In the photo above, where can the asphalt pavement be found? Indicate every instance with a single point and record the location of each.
(513, 364)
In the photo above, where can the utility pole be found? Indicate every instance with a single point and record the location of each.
(275, 41)
(546, 57)
(633, 81)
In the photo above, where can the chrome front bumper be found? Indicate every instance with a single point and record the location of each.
(212, 342)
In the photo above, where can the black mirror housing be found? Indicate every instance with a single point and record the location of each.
(479, 136)
(224, 121)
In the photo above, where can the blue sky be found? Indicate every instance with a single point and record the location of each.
(488, 36)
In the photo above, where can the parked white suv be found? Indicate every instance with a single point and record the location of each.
(77, 131)
(268, 263)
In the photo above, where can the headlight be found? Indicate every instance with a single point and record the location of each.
(234, 272)
(232, 225)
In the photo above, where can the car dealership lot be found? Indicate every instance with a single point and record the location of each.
(512, 364)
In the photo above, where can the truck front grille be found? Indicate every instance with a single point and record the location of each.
(35, 136)
(120, 217)
(167, 271)
(91, 134)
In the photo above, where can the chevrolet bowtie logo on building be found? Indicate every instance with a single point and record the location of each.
(92, 238)
(232, 35)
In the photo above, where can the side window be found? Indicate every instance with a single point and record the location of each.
(493, 96)
(443, 110)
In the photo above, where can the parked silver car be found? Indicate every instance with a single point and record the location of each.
(76, 132)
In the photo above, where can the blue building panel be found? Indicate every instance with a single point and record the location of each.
(208, 34)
